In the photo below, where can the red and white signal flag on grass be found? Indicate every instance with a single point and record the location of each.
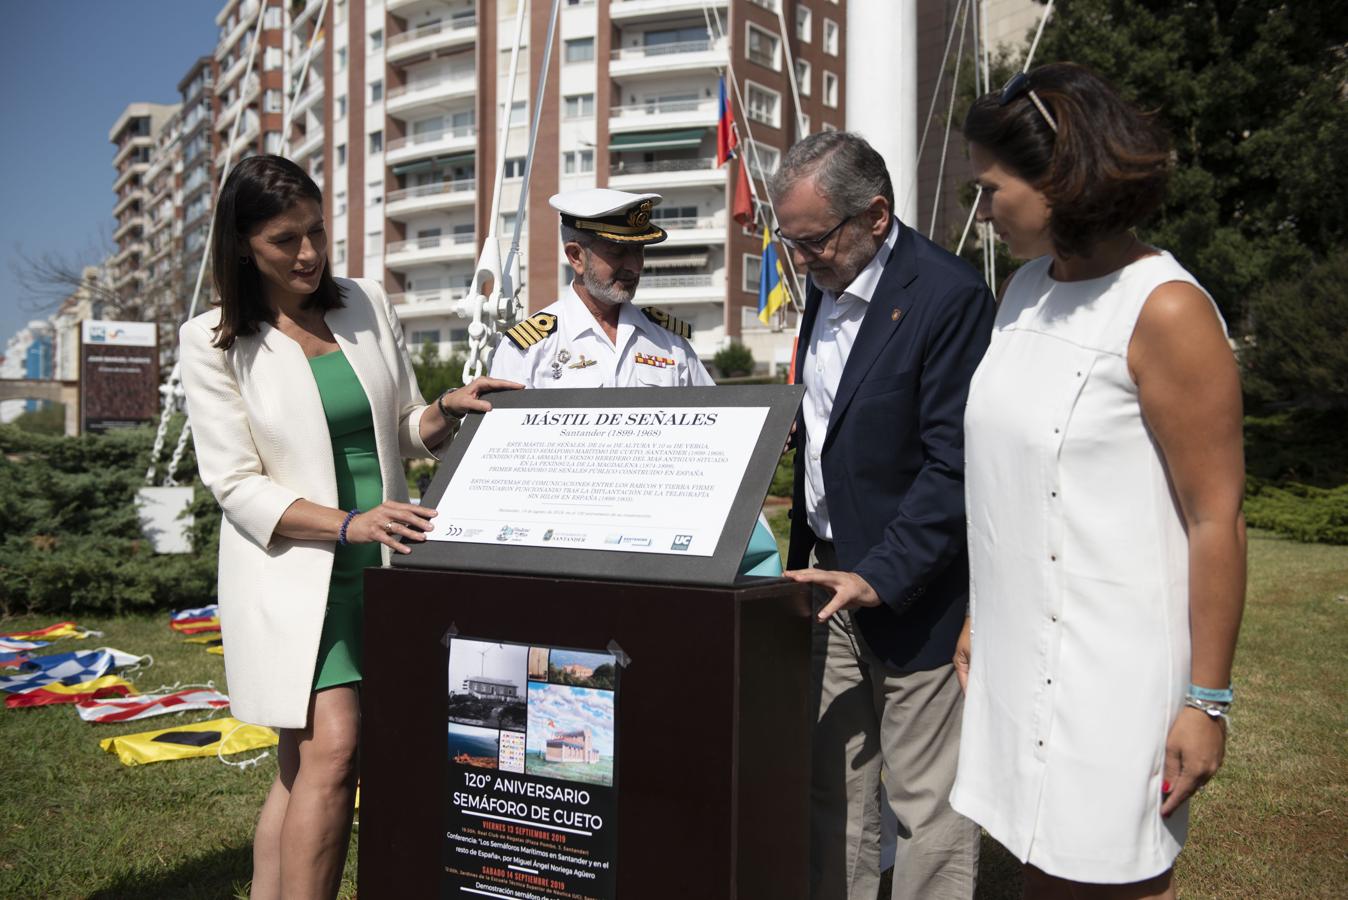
(126, 709)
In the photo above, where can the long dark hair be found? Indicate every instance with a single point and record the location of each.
(257, 189)
(1103, 171)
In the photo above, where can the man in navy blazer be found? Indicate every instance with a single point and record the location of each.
(893, 329)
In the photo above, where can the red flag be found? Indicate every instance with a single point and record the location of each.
(726, 138)
(742, 210)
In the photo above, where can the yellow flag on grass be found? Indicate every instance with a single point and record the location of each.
(187, 741)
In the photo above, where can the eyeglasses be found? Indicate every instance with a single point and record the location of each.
(1020, 84)
(814, 246)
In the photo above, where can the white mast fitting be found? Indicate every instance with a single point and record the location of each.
(882, 87)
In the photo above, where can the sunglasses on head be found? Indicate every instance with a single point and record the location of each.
(1018, 85)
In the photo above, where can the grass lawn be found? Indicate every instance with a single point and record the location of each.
(76, 823)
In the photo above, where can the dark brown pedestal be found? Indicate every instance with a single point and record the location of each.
(712, 735)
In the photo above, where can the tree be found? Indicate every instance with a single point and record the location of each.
(436, 375)
(1251, 92)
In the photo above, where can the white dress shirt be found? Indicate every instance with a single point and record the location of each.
(579, 354)
(835, 330)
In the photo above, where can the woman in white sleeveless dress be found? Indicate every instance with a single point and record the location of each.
(1104, 482)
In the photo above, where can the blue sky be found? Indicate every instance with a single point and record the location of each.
(67, 70)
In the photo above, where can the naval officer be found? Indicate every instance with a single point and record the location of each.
(593, 336)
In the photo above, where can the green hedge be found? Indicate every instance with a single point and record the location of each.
(1299, 511)
(70, 538)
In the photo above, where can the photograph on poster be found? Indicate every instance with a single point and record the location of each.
(487, 684)
(582, 669)
(538, 663)
(570, 733)
(473, 746)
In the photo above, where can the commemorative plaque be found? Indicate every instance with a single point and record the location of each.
(589, 482)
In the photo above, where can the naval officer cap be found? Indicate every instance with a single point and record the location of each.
(615, 216)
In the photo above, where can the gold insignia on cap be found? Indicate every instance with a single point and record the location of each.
(668, 322)
(532, 330)
(640, 215)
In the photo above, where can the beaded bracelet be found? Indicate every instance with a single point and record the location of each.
(341, 535)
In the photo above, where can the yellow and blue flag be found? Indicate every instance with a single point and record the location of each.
(771, 289)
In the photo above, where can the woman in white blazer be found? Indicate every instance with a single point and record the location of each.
(259, 372)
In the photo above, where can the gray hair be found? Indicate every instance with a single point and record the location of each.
(572, 235)
(847, 170)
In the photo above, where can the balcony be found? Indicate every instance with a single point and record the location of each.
(408, 9)
(133, 222)
(415, 42)
(250, 90)
(126, 200)
(124, 151)
(628, 11)
(430, 197)
(673, 114)
(310, 8)
(308, 99)
(699, 230)
(627, 176)
(247, 15)
(229, 75)
(458, 85)
(424, 251)
(431, 143)
(310, 143)
(665, 59)
(124, 176)
(422, 304)
(672, 290)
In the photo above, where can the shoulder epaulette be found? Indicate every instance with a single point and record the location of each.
(668, 322)
(532, 330)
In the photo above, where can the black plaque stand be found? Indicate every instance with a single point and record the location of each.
(713, 730)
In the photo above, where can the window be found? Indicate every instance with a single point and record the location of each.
(272, 18)
(828, 126)
(580, 50)
(341, 107)
(763, 104)
(518, 114)
(803, 78)
(374, 243)
(762, 158)
(376, 142)
(339, 252)
(577, 161)
(675, 39)
(429, 336)
(830, 90)
(508, 224)
(751, 268)
(376, 40)
(514, 167)
(339, 203)
(579, 106)
(376, 91)
(760, 46)
(271, 101)
(374, 193)
(804, 24)
(804, 125)
(272, 144)
(341, 154)
(830, 37)
(341, 59)
(271, 56)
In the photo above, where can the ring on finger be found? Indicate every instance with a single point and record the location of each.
(390, 525)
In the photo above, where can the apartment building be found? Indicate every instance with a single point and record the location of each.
(249, 114)
(134, 135)
(199, 144)
(397, 118)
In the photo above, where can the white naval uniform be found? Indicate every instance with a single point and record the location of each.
(559, 359)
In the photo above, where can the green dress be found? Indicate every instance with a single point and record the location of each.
(359, 486)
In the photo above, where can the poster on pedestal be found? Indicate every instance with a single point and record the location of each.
(531, 811)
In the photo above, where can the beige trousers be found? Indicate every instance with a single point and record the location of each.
(873, 719)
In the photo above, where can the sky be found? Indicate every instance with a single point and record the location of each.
(67, 70)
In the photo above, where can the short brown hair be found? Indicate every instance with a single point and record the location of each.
(1103, 171)
(257, 189)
